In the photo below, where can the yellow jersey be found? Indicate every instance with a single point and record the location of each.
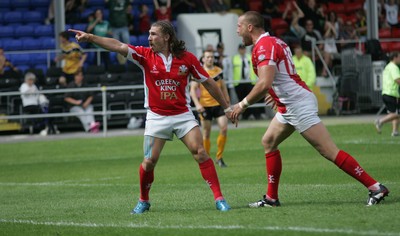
(206, 100)
(72, 53)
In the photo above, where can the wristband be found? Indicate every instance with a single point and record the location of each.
(229, 109)
(244, 104)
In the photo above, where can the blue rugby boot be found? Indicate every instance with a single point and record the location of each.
(222, 205)
(141, 207)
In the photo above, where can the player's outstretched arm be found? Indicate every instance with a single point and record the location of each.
(109, 44)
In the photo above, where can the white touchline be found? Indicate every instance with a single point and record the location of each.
(77, 184)
(224, 227)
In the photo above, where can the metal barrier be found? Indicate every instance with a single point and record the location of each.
(104, 113)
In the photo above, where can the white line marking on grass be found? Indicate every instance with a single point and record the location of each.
(222, 227)
(68, 184)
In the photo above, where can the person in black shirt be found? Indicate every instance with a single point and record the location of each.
(80, 102)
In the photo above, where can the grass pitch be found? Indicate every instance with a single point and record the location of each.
(89, 186)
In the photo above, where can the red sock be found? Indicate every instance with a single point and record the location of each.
(146, 179)
(209, 174)
(274, 168)
(349, 165)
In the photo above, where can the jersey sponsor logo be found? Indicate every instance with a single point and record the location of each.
(154, 70)
(261, 49)
(168, 88)
(183, 70)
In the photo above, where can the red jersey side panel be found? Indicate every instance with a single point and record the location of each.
(287, 86)
(166, 80)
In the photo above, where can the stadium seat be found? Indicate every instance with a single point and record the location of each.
(278, 23)
(132, 67)
(20, 59)
(12, 17)
(117, 68)
(394, 46)
(385, 33)
(23, 31)
(94, 69)
(31, 44)
(81, 27)
(40, 3)
(255, 5)
(44, 30)
(338, 8)
(385, 46)
(143, 40)
(47, 43)
(54, 72)
(86, 13)
(96, 3)
(133, 40)
(33, 16)
(42, 67)
(6, 31)
(23, 67)
(352, 7)
(5, 4)
(38, 58)
(395, 33)
(12, 45)
(20, 3)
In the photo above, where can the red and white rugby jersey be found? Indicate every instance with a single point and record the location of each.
(166, 80)
(287, 86)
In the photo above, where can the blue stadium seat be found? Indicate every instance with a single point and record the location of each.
(133, 40)
(20, 3)
(12, 17)
(31, 44)
(5, 4)
(23, 31)
(85, 14)
(6, 31)
(33, 16)
(20, 59)
(143, 40)
(106, 14)
(80, 27)
(24, 67)
(38, 58)
(12, 44)
(44, 30)
(47, 43)
(40, 3)
(42, 67)
(96, 3)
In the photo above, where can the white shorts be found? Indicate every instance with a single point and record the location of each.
(301, 115)
(165, 127)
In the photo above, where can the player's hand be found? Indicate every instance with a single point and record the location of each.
(269, 101)
(237, 111)
(80, 36)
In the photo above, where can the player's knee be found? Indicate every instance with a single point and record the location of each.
(268, 144)
(149, 164)
(200, 155)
